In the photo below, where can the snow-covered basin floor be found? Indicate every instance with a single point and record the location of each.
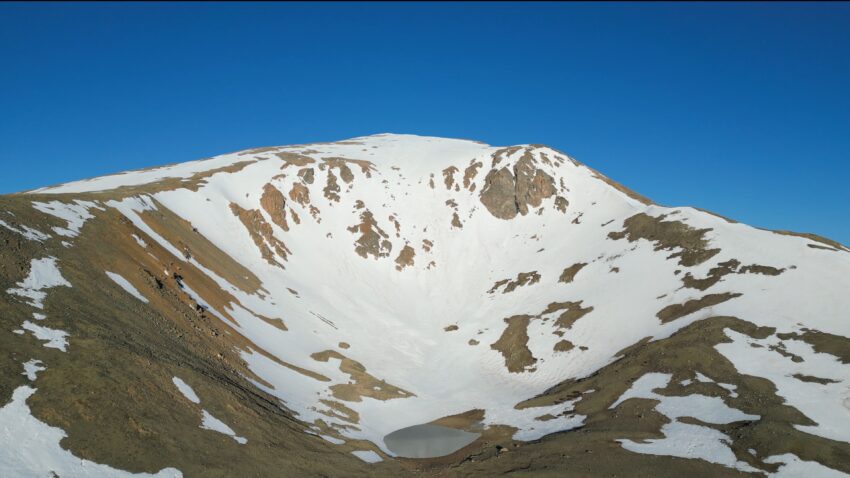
(394, 321)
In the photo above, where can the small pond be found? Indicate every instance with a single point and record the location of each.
(428, 441)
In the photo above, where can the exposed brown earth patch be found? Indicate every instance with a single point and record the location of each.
(294, 159)
(373, 240)
(522, 279)
(823, 342)
(676, 311)
(561, 204)
(449, 176)
(300, 194)
(276, 322)
(502, 154)
(260, 150)
(469, 174)
(469, 421)
(814, 237)
(395, 224)
(262, 234)
(513, 345)
(315, 213)
(825, 248)
(294, 216)
(763, 270)
(331, 188)
(732, 266)
(342, 164)
(456, 221)
(668, 235)
(339, 410)
(405, 258)
(811, 379)
(570, 272)
(714, 275)
(507, 192)
(570, 313)
(363, 384)
(273, 202)
(307, 175)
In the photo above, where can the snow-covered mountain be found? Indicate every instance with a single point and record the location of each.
(289, 308)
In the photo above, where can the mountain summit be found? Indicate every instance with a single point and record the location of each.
(397, 304)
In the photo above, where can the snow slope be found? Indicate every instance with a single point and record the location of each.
(389, 252)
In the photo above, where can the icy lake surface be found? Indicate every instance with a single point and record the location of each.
(427, 441)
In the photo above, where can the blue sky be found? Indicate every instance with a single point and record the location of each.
(742, 109)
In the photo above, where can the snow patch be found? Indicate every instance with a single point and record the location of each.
(368, 456)
(794, 467)
(186, 390)
(27, 232)
(55, 338)
(330, 439)
(139, 241)
(818, 401)
(127, 286)
(690, 441)
(682, 439)
(31, 368)
(29, 447)
(210, 422)
(75, 214)
(43, 275)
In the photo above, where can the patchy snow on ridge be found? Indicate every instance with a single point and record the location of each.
(27, 232)
(75, 214)
(146, 176)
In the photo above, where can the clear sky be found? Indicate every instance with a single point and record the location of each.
(742, 109)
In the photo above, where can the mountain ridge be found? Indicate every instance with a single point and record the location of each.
(343, 291)
(615, 184)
